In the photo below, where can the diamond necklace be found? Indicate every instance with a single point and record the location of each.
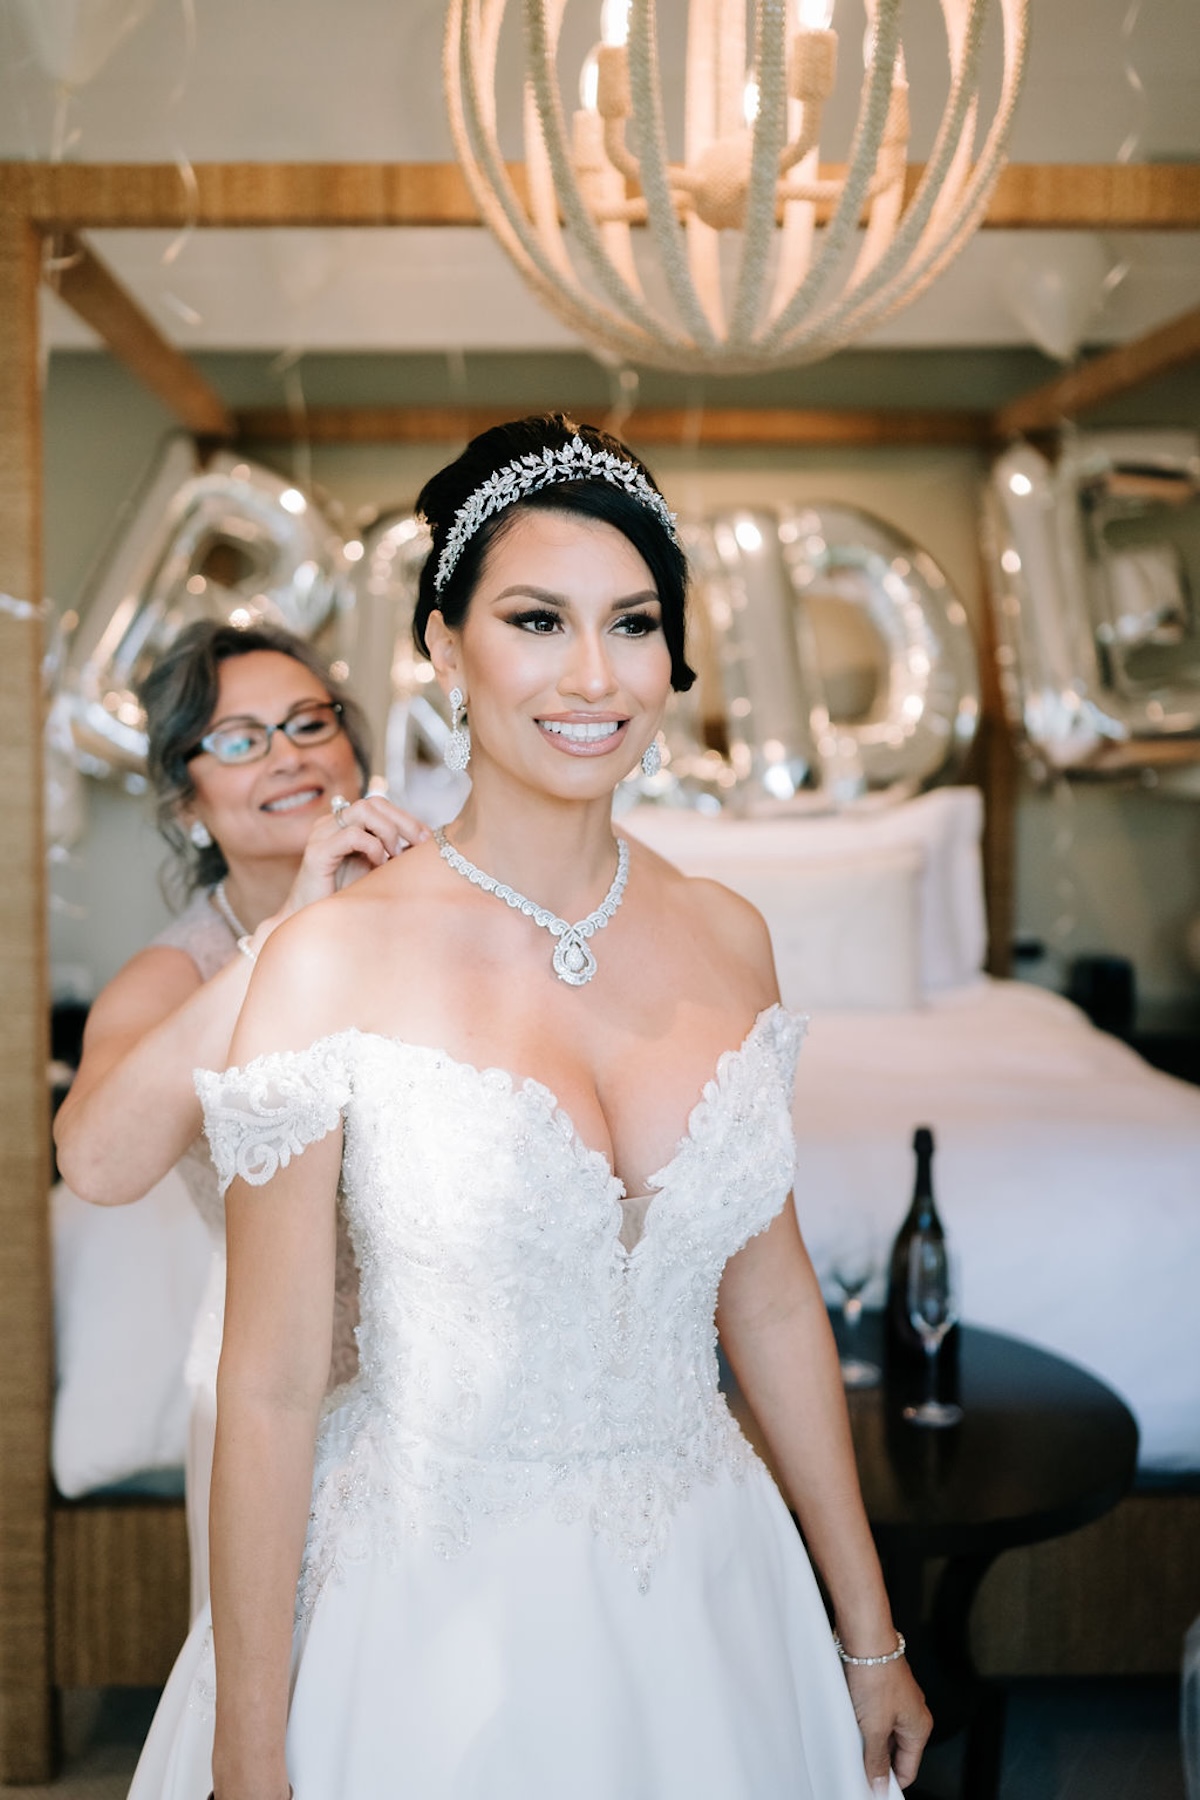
(573, 959)
(221, 902)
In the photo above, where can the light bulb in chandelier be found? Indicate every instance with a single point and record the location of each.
(589, 81)
(614, 22)
(816, 15)
(830, 240)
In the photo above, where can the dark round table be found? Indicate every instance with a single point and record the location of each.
(1042, 1449)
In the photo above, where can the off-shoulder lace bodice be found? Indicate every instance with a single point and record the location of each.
(513, 1350)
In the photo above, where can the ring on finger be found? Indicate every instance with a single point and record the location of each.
(339, 806)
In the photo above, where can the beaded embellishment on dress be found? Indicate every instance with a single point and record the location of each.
(514, 1353)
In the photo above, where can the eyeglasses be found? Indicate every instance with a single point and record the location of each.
(248, 740)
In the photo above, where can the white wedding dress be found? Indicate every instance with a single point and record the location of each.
(542, 1562)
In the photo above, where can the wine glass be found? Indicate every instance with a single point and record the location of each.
(932, 1310)
(853, 1262)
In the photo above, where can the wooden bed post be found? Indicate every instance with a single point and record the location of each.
(26, 1723)
(998, 775)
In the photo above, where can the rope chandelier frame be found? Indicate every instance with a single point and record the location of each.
(791, 292)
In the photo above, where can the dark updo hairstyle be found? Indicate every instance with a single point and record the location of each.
(179, 696)
(590, 498)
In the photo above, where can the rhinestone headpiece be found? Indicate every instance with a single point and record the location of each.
(575, 461)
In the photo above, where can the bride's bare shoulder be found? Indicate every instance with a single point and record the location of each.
(318, 967)
(725, 922)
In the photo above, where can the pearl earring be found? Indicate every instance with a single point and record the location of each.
(457, 752)
(200, 835)
(651, 758)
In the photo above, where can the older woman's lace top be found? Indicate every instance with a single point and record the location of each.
(204, 936)
(514, 1353)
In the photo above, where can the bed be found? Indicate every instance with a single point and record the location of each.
(1067, 1173)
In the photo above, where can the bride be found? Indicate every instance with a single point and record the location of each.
(548, 1080)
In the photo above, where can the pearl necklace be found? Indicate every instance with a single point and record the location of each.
(221, 902)
(573, 959)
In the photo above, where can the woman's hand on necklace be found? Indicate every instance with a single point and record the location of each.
(354, 837)
(348, 842)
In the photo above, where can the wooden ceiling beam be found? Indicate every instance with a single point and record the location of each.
(153, 196)
(1102, 378)
(1096, 197)
(78, 196)
(743, 427)
(91, 290)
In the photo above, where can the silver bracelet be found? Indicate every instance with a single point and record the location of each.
(246, 946)
(291, 1794)
(871, 1662)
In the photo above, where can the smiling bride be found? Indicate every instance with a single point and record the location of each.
(525, 1553)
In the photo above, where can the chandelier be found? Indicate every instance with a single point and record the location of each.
(743, 253)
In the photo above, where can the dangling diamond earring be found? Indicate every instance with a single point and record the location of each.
(200, 835)
(457, 753)
(651, 758)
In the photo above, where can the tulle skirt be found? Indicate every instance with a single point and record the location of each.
(531, 1666)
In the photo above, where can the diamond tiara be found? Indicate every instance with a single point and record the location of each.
(575, 461)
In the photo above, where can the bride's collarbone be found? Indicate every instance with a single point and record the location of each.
(626, 1055)
(506, 1008)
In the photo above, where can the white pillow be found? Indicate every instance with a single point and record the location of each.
(947, 825)
(844, 931)
(944, 826)
(127, 1286)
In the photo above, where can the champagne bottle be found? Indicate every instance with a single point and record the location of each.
(903, 1344)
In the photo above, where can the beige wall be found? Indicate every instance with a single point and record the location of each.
(1125, 864)
(1116, 870)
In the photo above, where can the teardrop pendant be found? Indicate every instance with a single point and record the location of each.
(573, 960)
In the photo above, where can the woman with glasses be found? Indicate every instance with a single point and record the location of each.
(260, 765)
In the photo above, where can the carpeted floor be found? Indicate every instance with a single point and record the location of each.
(1066, 1740)
(1080, 1740)
(102, 1733)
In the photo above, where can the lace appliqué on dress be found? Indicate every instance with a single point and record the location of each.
(202, 1694)
(515, 1355)
(260, 1116)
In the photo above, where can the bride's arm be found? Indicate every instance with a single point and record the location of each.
(776, 1333)
(273, 1371)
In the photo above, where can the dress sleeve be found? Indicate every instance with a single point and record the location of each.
(789, 1031)
(260, 1116)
